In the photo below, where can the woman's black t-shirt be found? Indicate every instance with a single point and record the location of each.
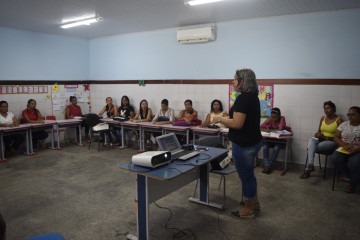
(249, 134)
(125, 112)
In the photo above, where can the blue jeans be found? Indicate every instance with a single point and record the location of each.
(349, 165)
(275, 153)
(244, 159)
(315, 146)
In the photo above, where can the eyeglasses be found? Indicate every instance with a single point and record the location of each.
(351, 114)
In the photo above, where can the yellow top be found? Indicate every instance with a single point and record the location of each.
(329, 129)
(212, 115)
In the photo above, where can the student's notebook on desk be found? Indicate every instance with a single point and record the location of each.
(277, 134)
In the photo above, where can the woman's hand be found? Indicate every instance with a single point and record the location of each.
(350, 148)
(187, 120)
(319, 135)
(354, 150)
(215, 120)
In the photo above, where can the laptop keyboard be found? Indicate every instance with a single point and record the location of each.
(185, 155)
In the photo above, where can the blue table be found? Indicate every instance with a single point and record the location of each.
(153, 184)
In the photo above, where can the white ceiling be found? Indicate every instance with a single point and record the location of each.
(126, 16)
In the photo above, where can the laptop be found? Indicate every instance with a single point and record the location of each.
(170, 143)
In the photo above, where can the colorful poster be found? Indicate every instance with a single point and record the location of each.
(25, 89)
(266, 97)
(9, 89)
(15, 89)
(31, 89)
(20, 89)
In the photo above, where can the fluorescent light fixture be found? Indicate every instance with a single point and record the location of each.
(198, 2)
(82, 22)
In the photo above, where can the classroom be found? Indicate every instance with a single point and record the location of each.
(305, 55)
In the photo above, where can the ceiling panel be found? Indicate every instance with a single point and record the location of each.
(127, 16)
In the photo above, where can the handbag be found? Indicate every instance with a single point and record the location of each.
(101, 127)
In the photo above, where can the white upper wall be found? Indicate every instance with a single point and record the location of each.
(37, 56)
(318, 45)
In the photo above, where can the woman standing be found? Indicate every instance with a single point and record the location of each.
(244, 132)
(32, 115)
(324, 137)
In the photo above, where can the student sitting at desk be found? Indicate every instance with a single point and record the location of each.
(323, 140)
(126, 110)
(8, 119)
(165, 115)
(274, 123)
(32, 115)
(111, 111)
(188, 114)
(216, 111)
(74, 110)
(346, 158)
(144, 112)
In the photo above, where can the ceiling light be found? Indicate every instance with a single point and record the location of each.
(198, 2)
(82, 22)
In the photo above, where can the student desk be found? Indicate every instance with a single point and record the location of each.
(177, 129)
(8, 131)
(149, 127)
(205, 131)
(115, 124)
(35, 127)
(68, 123)
(224, 133)
(286, 140)
(153, 184)
(134, 126)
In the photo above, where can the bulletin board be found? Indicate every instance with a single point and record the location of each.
(266, 97)
(60, 97)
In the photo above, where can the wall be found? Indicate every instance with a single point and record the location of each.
(37, 56)
(319, 45)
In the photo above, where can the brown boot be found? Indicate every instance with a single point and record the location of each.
(247, 212)
(305, 175)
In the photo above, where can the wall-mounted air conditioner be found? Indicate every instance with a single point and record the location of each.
(194, 35)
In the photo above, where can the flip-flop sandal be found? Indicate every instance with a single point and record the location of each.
(238, 216)
(349, 189)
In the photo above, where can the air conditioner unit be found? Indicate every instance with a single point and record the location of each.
(194, 35)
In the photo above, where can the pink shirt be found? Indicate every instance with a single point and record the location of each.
(272, 125)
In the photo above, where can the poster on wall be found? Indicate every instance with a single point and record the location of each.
(12, 89)
(266, 97)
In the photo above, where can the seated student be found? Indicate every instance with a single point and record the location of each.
(216, 111)
(74, 110)
(111, 111)
(165, 114)
(144, 113)
(189, 115)
(8, 119)
(323, 140)
(346, 158)
(32, 115)
(274, 123)
(126, 110)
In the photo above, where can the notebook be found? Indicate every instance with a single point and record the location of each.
(170, 143)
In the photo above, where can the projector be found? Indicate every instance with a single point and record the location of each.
(152, 159)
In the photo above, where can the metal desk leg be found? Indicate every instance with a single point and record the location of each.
(204, 189)
(142, 208)
(31, 143)
(194, 138)
(58, 137)
(75, 136)
(80, 140)
(142, 145)
(27, 143)
(122, 137)
(285, 157)
(52, 137)
(187, 136)
(2, 148)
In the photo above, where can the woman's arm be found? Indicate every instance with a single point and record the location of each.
(191, 117)
(263, 126)
(102, 112)
(181, 115)
(15, 121)
(340, 143)
(32, 121)
(68, 116)
(40, 117)
(116, 111)
(237, 122)
(319, 134)
(134, 119)
(207, 121)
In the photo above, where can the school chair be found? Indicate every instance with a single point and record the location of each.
(92, 120)
(326, 153)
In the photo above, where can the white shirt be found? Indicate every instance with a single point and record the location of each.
(8, 119)
(350, 134)
(169, 114)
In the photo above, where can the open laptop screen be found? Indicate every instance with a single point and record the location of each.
(168, 142)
